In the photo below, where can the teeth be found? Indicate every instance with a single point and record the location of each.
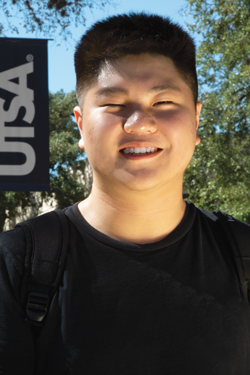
(137, 150)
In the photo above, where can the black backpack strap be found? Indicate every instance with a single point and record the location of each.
(47, 242)
(238, 234)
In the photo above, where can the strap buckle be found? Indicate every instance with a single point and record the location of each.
(37, 307)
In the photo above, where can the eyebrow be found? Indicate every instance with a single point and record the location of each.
(166, 86)
(106, 91)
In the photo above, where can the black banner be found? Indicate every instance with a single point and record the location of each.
(24, 115)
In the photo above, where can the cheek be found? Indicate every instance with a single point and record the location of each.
(100, 138)
(181, 135)
(184, 128)
(93, 132)
(179, 127)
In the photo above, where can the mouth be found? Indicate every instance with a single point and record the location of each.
(140, 153)
(136, 151)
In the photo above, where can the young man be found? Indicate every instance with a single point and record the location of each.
(149, 286)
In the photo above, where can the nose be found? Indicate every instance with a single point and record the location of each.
(140, 123)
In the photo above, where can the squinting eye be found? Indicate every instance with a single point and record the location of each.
(113, 105)
(164, 102)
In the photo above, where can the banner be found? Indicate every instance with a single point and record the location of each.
(24, 115)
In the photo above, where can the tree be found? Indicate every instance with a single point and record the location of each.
(11, 201)
(219, 173)
(45, 16)
(67, 163)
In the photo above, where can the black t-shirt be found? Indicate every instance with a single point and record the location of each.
(173, 307)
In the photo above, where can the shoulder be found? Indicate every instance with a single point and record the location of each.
(227, 228)
(216, 219)
(207, 215)
(217, 215)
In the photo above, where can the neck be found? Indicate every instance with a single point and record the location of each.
(140, 218)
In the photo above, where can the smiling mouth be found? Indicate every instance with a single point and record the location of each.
(139, 151)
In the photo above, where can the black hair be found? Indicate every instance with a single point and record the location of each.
(134, 34)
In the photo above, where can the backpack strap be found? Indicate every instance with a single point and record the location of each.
(238, 234)
(47, 239)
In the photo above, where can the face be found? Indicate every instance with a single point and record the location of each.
(138, 124)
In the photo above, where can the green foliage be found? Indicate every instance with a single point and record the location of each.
(66, 158)
(66, 163)
(219, 173)
(45, 16)
(9, 203)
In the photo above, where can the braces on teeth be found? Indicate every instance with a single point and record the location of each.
(137, 150)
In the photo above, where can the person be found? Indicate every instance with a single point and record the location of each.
(149, 285)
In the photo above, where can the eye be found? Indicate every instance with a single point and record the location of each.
(164, 102)
(113, 105)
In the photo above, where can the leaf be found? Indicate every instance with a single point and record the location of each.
(218, 175)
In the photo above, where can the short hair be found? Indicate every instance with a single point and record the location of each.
(133, 34)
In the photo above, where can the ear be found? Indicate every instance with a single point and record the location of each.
(198, 111)
(78, 117)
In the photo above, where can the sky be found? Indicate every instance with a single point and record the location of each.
(60, 58)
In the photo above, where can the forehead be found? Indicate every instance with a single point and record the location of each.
(137, 75)
(139, 68)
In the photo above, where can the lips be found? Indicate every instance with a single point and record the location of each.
(139, 151)
(140, 145)
(140, 156)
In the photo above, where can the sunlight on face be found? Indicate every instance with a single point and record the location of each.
(139, 102)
